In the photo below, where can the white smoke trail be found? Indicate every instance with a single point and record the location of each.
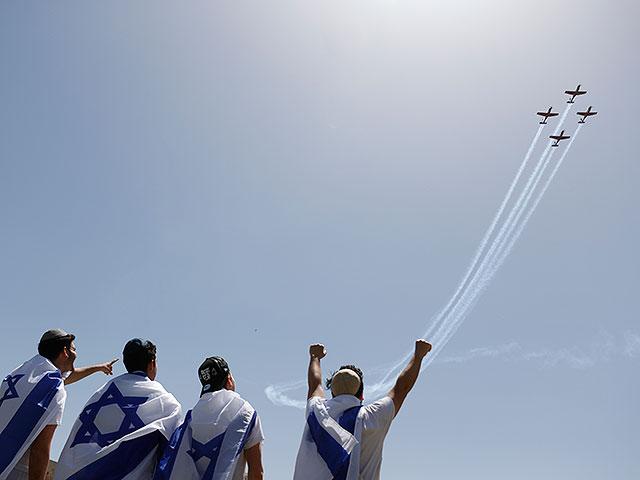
(276, 393)
(574, 357)
(513, 240)
(451, 317)
(489, 232)
(632, 345)
(443, 317)
(481, 280)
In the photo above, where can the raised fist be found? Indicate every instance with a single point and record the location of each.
(422, 348)
(317, 350)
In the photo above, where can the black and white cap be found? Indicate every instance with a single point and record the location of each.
(213, 374)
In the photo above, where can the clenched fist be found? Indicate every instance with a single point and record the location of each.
(317, 350)
(422, 348)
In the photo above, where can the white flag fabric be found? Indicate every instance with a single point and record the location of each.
(330, 449)
(118, 433)
(31, 397)
(207, 446)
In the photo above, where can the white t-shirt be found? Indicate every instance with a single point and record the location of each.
(376, 420)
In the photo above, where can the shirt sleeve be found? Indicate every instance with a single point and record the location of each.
(311, 402)
(57, 406)
(256, 435)
(379, 415)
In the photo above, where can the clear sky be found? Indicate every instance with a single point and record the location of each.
(246, 178)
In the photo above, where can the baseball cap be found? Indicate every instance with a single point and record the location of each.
(212, 374)
(345, 382)
(54, 334)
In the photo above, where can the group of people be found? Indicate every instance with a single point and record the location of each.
(132, 428)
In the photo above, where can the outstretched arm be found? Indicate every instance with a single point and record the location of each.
(316, 352)
(81, 372)
(409, 375)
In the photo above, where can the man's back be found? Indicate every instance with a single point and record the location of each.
(213, 415)
(130, 413)
(376, 419)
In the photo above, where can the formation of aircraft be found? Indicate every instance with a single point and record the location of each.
(586, 114)
(574, 93)
(557, 138)
(546, 115)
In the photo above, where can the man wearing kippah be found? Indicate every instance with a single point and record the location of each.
(343, 439)
(221, 435)
(124, 425)
(32, 399)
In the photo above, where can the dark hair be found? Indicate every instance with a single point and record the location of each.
(354, 369)
(137, 354)
(51, 349)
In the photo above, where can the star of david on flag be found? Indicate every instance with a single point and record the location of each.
(11, 391)
(207, 446)
(118, 431)
(90, 433)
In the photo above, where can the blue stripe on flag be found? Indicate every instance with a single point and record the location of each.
(119, 463)
(348, 419)
(27, 417)
(336, 457)
(168, 458)
(247, 432)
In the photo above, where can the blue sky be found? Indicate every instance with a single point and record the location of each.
(247, 178)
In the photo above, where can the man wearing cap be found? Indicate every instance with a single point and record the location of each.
(124, 424)
(219, 436)
(32, 399)
(343, 439)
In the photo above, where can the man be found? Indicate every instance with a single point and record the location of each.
(219, 436)
(343, 439)
(32, 399)
(124, 424)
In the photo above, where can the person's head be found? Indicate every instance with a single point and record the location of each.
(140, 356)
(214, 375)
(57, 346)
(348, 380)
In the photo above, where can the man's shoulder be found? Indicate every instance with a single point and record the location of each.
(380, 412)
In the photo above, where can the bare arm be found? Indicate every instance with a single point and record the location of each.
(81, 372)
(316, 352)
(39, 453)
(254, 462)
(409, 375)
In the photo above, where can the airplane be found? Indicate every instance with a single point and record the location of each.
(546, 115)
(586, 114)
(557, 138)
(574, 93)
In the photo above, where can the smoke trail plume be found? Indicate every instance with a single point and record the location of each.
(478, 275)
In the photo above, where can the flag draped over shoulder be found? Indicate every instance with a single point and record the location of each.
(330, 449)
(31, 397)
(208, 444)
(118, 433)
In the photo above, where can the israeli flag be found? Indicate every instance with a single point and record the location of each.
(330, 449)
(31, 397)
(208, 444)
(119, 430)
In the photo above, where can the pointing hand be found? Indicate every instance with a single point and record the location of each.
(107, 368)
